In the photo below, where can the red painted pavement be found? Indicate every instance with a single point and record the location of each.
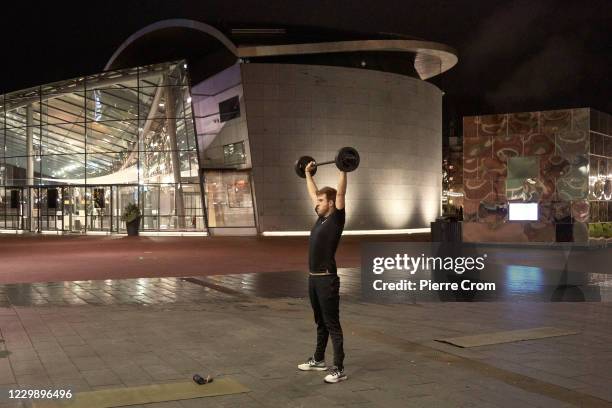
(67, 258)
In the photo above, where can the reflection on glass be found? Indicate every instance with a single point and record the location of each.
(151, 207)
(112, 136)
(15, 142)
(229, 199)
(63, 108)
(110, 104)
(233, 153)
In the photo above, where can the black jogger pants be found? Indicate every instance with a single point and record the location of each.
(324, 293)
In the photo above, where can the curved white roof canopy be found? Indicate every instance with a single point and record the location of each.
(172, 23)
(431, 58)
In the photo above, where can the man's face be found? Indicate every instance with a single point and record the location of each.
(323, 205)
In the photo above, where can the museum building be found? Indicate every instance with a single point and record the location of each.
(200, 126)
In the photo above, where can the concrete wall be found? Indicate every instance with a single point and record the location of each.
(393, 121)
(212, 133)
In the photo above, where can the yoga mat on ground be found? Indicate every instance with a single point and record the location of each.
(506, 336)
(146, 394)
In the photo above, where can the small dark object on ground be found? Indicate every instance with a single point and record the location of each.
(200, 380)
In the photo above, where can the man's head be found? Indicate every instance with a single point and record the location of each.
(326, 201)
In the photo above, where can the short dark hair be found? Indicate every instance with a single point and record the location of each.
(330, 193)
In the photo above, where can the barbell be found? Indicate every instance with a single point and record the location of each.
(347, 159)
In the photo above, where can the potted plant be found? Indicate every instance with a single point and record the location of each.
(131, 216)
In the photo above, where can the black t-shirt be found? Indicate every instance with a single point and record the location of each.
(324, 239)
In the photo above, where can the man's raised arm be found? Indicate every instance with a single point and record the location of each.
(310, 184)
(341, 191)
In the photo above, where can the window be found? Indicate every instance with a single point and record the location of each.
(229, 109)
(233, 153)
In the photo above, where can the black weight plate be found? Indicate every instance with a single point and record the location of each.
(347, 159)
(300, 166)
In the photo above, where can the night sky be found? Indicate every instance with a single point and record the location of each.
(513, 55)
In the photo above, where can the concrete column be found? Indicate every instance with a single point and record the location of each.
(176, 164)
(30, 166)
(30, 145)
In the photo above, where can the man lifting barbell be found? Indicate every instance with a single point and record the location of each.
(323, 281)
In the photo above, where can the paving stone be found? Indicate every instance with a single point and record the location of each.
(6, 373)
(102, 377)
(162, 372)
(21, 367)
(34, 380)
(88, 363)
(79, 351)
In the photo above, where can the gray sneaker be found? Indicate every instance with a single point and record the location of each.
(313, 365)
(335, 375)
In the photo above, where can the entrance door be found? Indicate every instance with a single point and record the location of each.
(74, 209)
(99, 208)
(11, 208)
(49, 208)
(121, 197)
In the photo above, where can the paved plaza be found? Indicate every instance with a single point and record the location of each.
(255, 327)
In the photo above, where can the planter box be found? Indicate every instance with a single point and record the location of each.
(133, 227)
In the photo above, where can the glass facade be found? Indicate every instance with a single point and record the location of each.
(73, 154)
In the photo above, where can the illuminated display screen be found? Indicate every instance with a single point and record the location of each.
(523, 212)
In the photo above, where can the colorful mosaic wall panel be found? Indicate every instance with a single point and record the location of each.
(570, 142)
(523, 124)
(470, 168)
(480, 146)
(505, 147)
(581, 119)
(491, 168)
(561, 159)
(538, 144)
(470, 127)
(493, 125)
(508, 232)
(555, 121)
